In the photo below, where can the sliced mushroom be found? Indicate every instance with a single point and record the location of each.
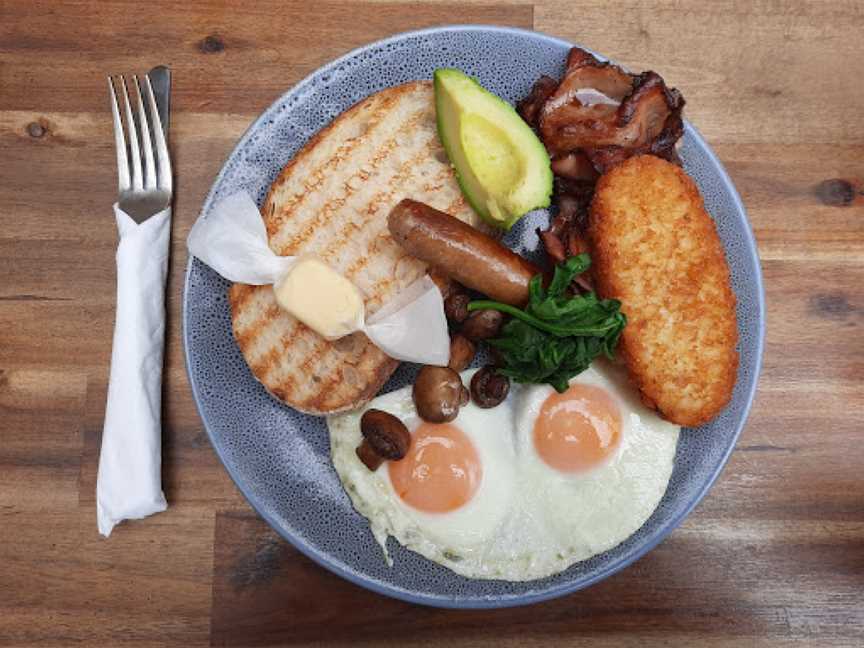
(371, 459)
(385, 433)
(456, 307)
(462, 352)
(482, 324)
(489, 388)
(437, 394)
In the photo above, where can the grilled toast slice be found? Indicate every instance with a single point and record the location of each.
(332, 200)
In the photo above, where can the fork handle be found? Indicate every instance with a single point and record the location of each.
(129, 485)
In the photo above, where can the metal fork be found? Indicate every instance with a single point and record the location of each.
(144, 180)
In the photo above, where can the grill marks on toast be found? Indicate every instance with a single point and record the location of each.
(366, 173)
(332, 200)
(369, 172)
(255, 330)
(382, 199)
(343, 153)
(266, 363)
(239, 296)
(246, 336)
(379, 200)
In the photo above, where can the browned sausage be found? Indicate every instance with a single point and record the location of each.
(461, 252)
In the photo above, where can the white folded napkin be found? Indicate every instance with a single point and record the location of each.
(232, 240)
(129, 485)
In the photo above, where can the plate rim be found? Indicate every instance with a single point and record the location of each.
(487, 602)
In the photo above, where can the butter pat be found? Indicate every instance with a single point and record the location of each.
(321, 298)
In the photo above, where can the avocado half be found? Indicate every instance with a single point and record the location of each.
(501, 165)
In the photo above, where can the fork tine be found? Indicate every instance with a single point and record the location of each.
(132, 131)
(119, 141)
(149, 165)
(162, 155)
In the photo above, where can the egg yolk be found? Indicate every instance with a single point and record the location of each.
(576, 431)
(441, 471)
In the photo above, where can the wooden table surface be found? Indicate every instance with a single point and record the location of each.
(773, 556)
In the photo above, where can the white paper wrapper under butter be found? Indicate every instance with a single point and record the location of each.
(232, 240)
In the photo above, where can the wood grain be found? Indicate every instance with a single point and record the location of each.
(261, 585)
(773, 556)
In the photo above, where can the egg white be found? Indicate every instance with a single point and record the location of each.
(527, 520)
(591, 512)
(449, 536)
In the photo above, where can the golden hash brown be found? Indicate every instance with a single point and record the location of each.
(656, 249)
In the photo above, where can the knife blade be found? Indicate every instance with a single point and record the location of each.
(160, 80)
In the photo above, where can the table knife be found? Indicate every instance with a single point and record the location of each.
(160, 80)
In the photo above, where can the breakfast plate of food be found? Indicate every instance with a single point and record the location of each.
(473, 317)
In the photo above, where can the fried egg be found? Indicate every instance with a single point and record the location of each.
(598, 460)
(520, 491)
(449, 494)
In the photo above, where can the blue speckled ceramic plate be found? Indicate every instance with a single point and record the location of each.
(280, 458)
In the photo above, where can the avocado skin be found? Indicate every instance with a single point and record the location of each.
(521, 137)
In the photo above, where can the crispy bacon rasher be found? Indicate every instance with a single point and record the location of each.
(597, 116)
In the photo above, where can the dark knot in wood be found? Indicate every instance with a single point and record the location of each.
(35, 129)
(211, 44)
(831, 306)
(836, 192)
